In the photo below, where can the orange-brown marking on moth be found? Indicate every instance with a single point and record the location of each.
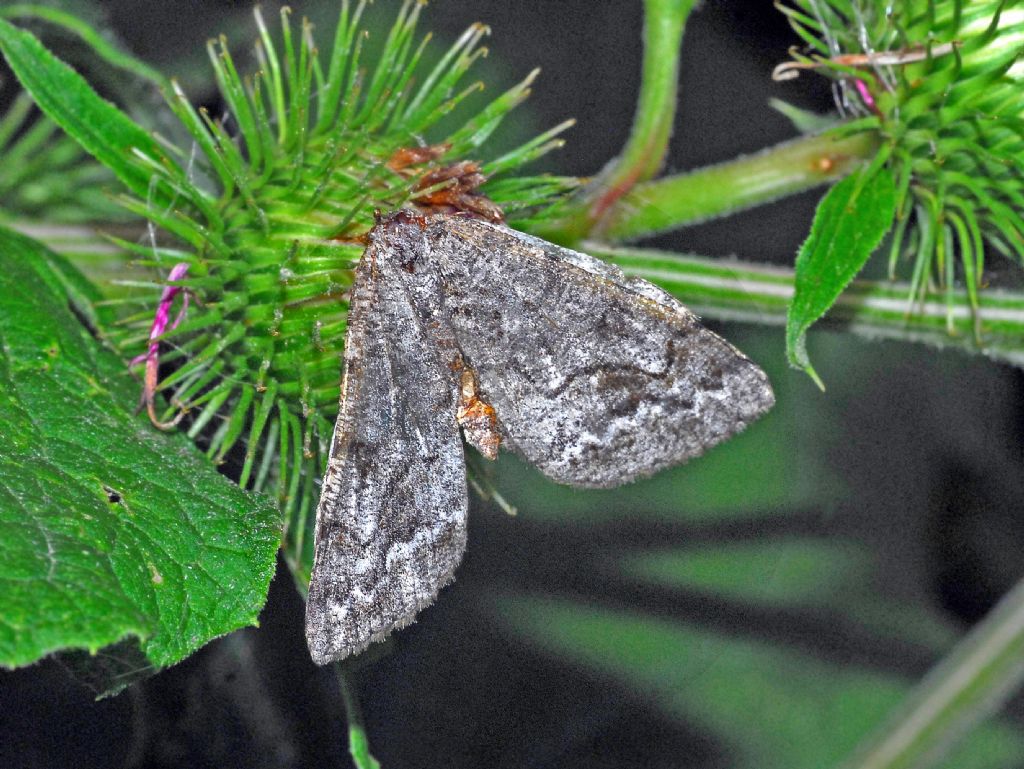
(477, 418)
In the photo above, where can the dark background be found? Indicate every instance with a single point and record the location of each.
(912, 457)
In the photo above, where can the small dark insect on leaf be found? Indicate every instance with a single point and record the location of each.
(594, 378)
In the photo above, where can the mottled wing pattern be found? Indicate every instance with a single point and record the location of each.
(391, 523)
(597, 379)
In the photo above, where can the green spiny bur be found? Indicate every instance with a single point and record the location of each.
(940, 82)
(275, 199)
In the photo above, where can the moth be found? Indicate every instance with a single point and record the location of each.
(463, 325)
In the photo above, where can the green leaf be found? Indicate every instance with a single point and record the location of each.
(850, 222)
(109, 529)
(102, 129)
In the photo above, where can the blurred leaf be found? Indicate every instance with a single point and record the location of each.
(771, 631)
(103, 48)
(108, 529)
(803, 120)
(101, 128)
(977, 677)
(850, 222)
(761, 700)
(794, 573)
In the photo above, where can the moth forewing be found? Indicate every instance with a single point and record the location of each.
(595, 378)
(391, 523)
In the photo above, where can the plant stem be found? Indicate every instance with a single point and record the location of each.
(642, 156)
(734, 290)
(785, 169)
(358, 744)
(644, 153)
(980, 674)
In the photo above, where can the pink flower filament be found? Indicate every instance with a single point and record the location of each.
(156, 330)
(865, 94)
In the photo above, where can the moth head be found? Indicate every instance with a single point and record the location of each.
(400, 234)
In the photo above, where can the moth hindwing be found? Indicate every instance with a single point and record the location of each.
(594, 378)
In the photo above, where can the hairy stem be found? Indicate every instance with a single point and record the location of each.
(734, 290)
(785, 169)
(644, 152)
(358, 744)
